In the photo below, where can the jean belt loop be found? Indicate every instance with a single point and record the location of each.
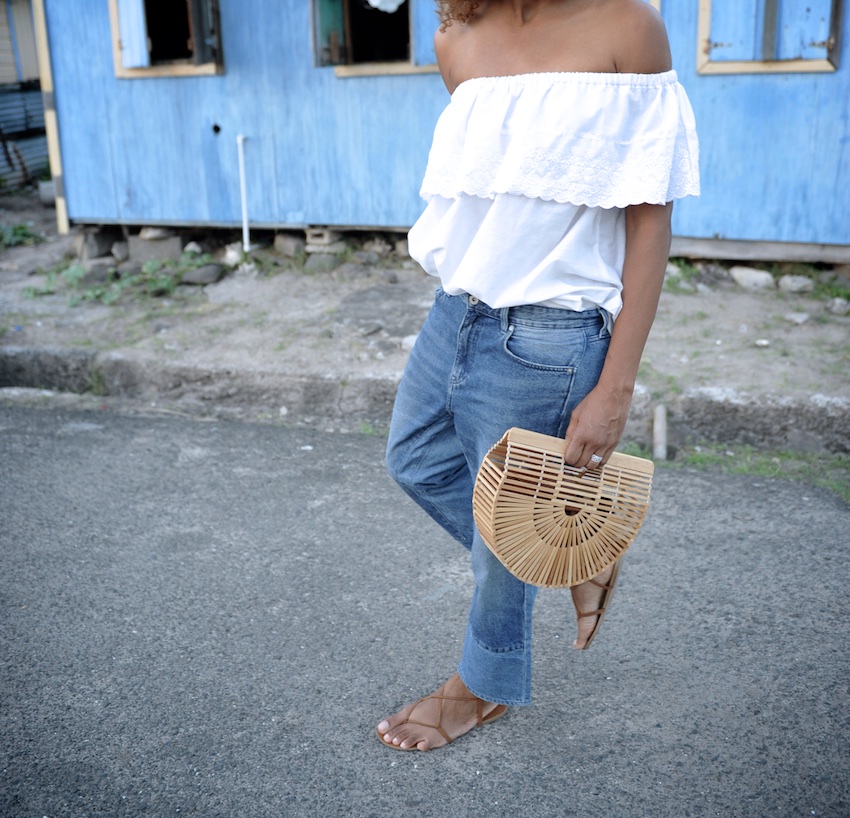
(504, 318)
(607, 323)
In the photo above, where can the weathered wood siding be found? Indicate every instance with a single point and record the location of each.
(774, 148)
(319, 149)
(327, 150)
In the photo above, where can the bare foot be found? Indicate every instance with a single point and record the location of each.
(438, 719)
(589, 598)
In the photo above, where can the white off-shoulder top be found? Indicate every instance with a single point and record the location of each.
(528, 177)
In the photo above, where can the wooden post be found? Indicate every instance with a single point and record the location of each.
(51, 123)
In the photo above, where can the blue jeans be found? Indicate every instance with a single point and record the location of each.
(473, 373)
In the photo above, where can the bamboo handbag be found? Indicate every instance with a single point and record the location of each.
(551, 524)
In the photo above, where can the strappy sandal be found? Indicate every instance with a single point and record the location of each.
(606, 601)
(494, 714)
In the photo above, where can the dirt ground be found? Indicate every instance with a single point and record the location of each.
(360, 317)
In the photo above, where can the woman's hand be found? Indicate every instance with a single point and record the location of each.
(597, 423)
(596, 426)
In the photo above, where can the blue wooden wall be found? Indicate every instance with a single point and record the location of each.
(325, 150)
(774, 148)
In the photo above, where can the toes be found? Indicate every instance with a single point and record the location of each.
(404, 737)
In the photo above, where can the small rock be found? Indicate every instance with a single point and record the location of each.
(320, 262)
(365, 257)
(752, 279)
(796, 284)
(401, 248)
(283, 411)
(714, 272)
(370, 328)
(96, 242)
(288, 245)
(233, 254)
(47, 193)
(762, 342)
(798, 318)
(169, 248)
(121, 251)
(379, 246)
(155, 233)
(201, 276)
(408, 341)
(390, 277)
(838, 306)
(247, 269)
(193, 247)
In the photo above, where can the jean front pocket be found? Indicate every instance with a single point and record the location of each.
(553, 349)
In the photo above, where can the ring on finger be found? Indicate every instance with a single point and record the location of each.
(596, 459)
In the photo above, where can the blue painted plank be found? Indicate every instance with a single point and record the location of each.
(423, 23)
(134, 33)
(327, 150)
(803, 29)
(774, 149)
(736, 30)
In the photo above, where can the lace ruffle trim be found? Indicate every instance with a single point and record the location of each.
(612, 178)
(628, 143)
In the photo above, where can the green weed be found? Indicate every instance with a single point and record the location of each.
(12, 235)
(685, 281)
(156, 279)
(831, 471)
(367, 428)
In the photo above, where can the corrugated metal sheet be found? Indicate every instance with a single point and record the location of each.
(21, 111)
(22, 160)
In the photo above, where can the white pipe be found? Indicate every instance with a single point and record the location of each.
(246, 238)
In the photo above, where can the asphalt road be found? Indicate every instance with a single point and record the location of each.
(210, 618)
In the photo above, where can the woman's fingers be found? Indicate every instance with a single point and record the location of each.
(595, 429)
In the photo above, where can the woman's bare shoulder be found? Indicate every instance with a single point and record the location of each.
(641, 44)
(447, 42)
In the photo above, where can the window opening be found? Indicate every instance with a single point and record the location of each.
(378, 36)
(354, 32)
(166, 37)
(763, 36)
(169, 31)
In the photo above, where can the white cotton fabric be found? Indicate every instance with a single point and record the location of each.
(528, 176)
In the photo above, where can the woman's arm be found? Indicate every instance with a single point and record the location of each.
(597, 423)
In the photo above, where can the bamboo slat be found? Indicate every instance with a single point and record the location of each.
(551, 524)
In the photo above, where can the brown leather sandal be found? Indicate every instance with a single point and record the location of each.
(606, 601)
(494, 714)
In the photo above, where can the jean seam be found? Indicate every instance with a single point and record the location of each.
(558, 370)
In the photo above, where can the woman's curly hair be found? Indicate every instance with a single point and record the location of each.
(455, 11)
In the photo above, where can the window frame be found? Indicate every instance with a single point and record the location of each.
(707, 66)
(396, 67)
(176, 69)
